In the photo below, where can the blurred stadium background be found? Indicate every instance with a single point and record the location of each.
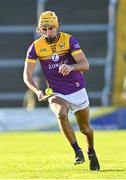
(99, 25)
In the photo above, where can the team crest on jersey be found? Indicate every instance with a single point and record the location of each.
(62, 45)
(55, 57)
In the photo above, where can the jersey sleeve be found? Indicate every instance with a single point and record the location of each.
(74, 46)
(31, 54)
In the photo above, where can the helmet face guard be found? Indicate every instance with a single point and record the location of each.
(48, 19)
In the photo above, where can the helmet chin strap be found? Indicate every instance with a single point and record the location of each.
(51, 39)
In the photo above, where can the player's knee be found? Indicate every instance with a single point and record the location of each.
(62, 115)
(86, 129)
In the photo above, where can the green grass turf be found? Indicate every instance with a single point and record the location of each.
(48, 155)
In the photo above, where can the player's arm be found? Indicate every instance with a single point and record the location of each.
(79, 56)
(81, 62)
(28, 74)
(81, 65)
(28, 79)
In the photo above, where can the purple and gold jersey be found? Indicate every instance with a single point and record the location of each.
(51, 56)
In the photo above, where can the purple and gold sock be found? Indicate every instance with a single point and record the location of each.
(91, 151)
(75, 146)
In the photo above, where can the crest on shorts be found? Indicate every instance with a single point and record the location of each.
(77, 84)
(55, 57)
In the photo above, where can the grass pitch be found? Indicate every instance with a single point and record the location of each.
(38, 155)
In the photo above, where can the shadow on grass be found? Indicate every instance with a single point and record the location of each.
(102, 170)
(113, 170)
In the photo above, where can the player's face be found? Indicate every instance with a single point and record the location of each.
(49, 32)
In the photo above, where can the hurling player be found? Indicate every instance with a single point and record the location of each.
(62, 62)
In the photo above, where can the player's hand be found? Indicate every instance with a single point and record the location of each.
(40, 95)
(65, 69)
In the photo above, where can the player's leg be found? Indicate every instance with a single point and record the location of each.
(82, 117)
(60, 108)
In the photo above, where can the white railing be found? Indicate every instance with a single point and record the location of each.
(110, 53)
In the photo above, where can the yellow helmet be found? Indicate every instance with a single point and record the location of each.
(48, 18)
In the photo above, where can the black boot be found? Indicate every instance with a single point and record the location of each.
(79, 157)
